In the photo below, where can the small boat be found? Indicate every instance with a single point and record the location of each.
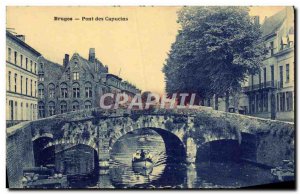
(142, 166)
(142, 163)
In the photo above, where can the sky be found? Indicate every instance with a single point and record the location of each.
(135, 49)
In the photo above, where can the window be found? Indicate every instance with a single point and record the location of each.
(11, 109)
(87, 105)
(51, 90)
(15, 57)
(31, 88)
(41, 77)
(281, 76)
(26, 63)
(265, 99)
(21, 60)
(289, 101)
(21, 84)
(261, 102)
(63, 107)
(76, 90)
(31, 65)
(34, 88)
(75, 76)
(26, 87)
(22, 111)
(283, 43)
(272, 74)
(15, 82)
(41, 110)
(41, 91)
(265, 77)
(287, 67)
(9, 54)
(51, 108)
(68, 76)
(35, 68)
(75, 106)
(282, 101)
(64, 90)
(16, 110)
(88, 90)
(9, 81)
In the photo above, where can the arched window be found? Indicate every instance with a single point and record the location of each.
(88, 90)
(75, 106)
(51, 108)
(63, 90)
(63, 107)
(41, 90)
(51, 89)
(87, 105)
(41, 110)
(75, 76)
(76, 90)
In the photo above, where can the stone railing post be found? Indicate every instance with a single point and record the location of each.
(191, 151)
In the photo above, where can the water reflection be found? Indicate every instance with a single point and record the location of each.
(121, 172)
(167, 171)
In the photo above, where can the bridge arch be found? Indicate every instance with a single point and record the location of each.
(174, 145)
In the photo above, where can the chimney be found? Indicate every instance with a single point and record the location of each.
(21, 37)
(92, 55)
(256, 20)
(66, 60)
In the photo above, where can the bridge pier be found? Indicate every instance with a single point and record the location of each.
(191, 151)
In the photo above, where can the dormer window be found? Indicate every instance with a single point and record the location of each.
(75, 76)
(284, 42)
(290, 39)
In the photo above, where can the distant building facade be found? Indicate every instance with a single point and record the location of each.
(77, 84)
(271, 92)
(21, 80)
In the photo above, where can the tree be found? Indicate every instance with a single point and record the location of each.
(215, 50)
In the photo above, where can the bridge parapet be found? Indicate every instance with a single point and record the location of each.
(273, 140)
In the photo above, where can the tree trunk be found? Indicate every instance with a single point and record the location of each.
(216, 102)
(227, 101)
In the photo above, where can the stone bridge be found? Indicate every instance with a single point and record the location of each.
(186, 133)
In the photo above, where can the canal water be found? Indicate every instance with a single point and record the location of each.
(167, 172)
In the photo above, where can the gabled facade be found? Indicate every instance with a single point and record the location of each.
(77, 84)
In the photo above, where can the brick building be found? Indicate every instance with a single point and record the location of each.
(77, 84)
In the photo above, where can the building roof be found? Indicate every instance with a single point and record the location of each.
(22, 43)
(272, 23)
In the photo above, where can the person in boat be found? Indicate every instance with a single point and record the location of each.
(143, 154)
(148, 155)
(136, 155)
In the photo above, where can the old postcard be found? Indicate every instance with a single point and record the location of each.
(193, 97)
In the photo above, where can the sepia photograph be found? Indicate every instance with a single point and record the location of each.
(150, 97)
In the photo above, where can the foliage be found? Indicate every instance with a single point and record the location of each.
(170, 125)
(216, 48)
